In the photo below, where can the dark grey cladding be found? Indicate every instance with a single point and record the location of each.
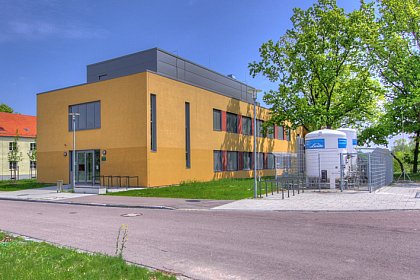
(171, 66)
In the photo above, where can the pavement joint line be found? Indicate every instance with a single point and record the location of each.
(38, 240)
(91, 204)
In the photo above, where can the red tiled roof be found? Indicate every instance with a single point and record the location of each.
(24, 125)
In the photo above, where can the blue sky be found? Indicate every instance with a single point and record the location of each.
(46, 44)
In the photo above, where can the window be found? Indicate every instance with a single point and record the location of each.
(153, 134)
(217, 120)
(270, 132)
(32, 164)
(288, 132)
(89, 116)
(280, 133)
(246, 126)
(260, 161)
(232, 161)
(231, 123)
(217, 161)
(12, 146)
(187, 136)
(102, 77)
(12, 165)
(32, 146)
(270, 161)
(247, 161)
(259, 128)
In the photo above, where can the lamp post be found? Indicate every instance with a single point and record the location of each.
(254, 97)
(404, 175)
(73, 175)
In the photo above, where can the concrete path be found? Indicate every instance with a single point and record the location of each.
(43, 194)
(50, 194)
(235, 244)
(395, 197)
(175, 203)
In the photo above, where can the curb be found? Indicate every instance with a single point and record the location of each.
(317, 211)
(90, 204)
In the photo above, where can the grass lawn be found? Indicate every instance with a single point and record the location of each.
(228, 189)
(415, 177)
(21, 185)
(20, 259)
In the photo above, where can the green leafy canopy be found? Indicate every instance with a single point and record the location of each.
(323, 70)
(5, 108)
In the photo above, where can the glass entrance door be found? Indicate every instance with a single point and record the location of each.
(85, 167)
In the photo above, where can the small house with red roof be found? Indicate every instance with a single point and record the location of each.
(18, 137)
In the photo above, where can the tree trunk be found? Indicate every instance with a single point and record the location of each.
(399, 162)
(416, 153)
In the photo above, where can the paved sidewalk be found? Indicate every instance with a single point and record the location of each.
(43, 194)
(395, 197)
(50, 194)
(175, 203)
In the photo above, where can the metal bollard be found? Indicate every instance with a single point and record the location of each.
(266, 189)
(59, 186)
(282, 192)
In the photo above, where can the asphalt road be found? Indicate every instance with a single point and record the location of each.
(235, 244)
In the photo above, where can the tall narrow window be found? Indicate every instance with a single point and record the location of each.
(153, 135)
(247, 158)
(270, 161)
(231, 123)
(280, 133)
(187, 136)
(217, 161)
(259, 128)
(288, 132)
(260, 161)
(246, 125)
(232, 161)
(270, 132)
(217, 120)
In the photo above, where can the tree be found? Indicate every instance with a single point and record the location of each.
(32, 154)
(5, 108)
(394, 45)
(321, 65)
(404, 148)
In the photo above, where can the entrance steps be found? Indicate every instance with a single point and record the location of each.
(89, 189)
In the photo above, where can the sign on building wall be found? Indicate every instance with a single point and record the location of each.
(315, 144)
(342, 143)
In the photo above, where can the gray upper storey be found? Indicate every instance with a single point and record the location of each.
(171, 66)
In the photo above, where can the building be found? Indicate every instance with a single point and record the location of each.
(157, 116)
(17, 134)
